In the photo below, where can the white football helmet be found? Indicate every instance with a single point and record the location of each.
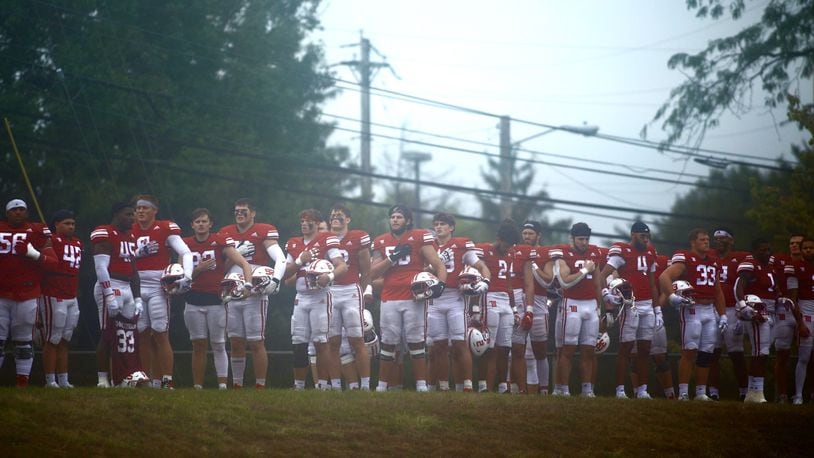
(316, 268)
(367, 321)
(172, 273)
(621, 288)
(135, 380)
(372, 343)
(684, 289)
(754, 307)
(231, 287)
(261, 280)
(421, 284)
(602, 343)
(477, 343)
(467, 279)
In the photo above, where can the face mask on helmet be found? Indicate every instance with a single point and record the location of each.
(261, 279)
(314, 270)
(683, 288)
(135, 380)
(622, 288)
(467, 279)
(172, 273)
(231, 287)
(421, 284)
(602, 343)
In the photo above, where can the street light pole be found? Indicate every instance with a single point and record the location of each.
(417, 157)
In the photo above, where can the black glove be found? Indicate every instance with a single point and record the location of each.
(399, 252)
(437, 290)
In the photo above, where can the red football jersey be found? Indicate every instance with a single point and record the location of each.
(20, 275)
(123, 248)
(782, 260)
(159, 231)
(211, 248)
(350, 245)
(399, 277)
(804, 272)
(63, 281)
(728, 273)
(320, 245)
(701, 272)
(255, 235)
(122, 337)
(662, 262)
(763, 283)
(501, 267)
(586, 288)
(452, 255)
(636, 266)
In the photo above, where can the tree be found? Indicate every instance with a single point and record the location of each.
(776, 52)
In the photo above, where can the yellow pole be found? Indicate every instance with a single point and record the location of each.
(22, 167)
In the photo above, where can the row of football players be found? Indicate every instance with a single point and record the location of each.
(146, 245)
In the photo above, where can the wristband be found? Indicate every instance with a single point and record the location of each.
(298, 262)
(529, 309)
(368, 290)
(583, 271)
(514, 309)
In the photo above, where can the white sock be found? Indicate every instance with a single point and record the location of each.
(24, 365)
(103, 377)
(587, 388)
(700, 389)
(683, 388)
(62, 378)
(443, 385)
(323, 384)
(336, 384)
(467, 385)
(422, 385)
(382, 386)
(365, 383)
(620, 389)
(502, 388)
(353, 385)
(260, 381)
(238, 369)
(50, 378)
(713, 391)
(299, 384)
(758, 383)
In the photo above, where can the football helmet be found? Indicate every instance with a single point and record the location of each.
(169, 278)
(755, 309)
(135, 380)
(314, 270)
(602, 343)
(262, 280)
(467, 279)
(231, 287)
(683, 288)
(367, 321)
(477, 343)
(621, 288)
(422, 284)
(372, 343)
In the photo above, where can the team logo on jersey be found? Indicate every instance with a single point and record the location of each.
(254, 234)
(156, 228)
(410, 239)
(213, 243)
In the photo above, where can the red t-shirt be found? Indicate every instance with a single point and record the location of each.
(255, 235)
(123, 247)
(19, 274)
(399, 277)
(159, 232)
(349, 246)
(63, 281)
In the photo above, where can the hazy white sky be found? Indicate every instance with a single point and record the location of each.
(551, 62)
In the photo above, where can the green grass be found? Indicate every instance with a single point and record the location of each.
(185, 422)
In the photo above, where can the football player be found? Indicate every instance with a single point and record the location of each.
(25, 249)
(783, 330)
(446, 317)
(499, 311)
(733, 336)
(204, 314)
(246, 318)
(58, 308)
(531, 233)
(702, 315)
(350, 292)
(313, 309)
(635, 262)
(117, 281)
(578, 312)
(398, 256)
(800, 282)
(756, 276)
(154, 240)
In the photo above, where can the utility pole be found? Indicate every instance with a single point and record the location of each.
(417, 157)
(364, 70)
(506, 166)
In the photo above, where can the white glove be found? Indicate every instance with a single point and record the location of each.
(723, 322)
(139, 305)
(246, 249)
(609, 319)
(680, 301)
(184, 284)
(480, 287)
(148, 249)
(659, 317)
(275, 288)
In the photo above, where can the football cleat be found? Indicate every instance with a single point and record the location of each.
(683, 397)
(52, 385)
(797, 400)
(422, 285)
(169, 279)
(714, 397)
(314, 270)
(589, 394)
(702, 397)
(643, 395)
(755, 396)
(621, 395)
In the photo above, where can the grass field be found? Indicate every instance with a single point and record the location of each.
(186, 422)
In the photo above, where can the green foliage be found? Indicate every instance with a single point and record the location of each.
(776, 52)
